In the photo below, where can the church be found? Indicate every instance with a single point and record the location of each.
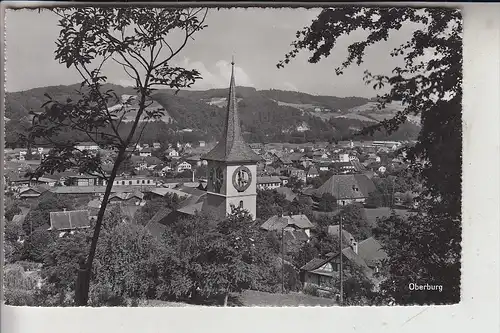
(232, 166)
(232, 171)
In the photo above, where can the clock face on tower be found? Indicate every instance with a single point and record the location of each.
(242, 178)
(216, 178)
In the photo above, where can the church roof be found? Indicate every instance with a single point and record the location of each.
(232, 147)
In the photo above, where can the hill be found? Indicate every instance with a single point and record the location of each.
(266, 115)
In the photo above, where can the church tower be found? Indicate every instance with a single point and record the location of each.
(232, 166)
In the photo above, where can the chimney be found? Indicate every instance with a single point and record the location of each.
(354, 246)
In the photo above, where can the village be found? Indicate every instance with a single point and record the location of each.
(325, 177)
(231, 171)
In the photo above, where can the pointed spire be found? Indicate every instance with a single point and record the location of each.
(232, 147)
(232, 130)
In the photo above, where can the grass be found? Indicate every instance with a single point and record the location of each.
(259, 298)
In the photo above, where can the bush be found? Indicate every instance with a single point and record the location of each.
(19, 297)
(310, 289)
(19, 286)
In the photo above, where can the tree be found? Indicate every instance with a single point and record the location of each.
(355, 221)
(269, 203)
(374, 199)
(327, 203)
(11, 210)
(427, 86)
(60, 265)
(414, 245)
(154, 205)
(91, 37)
(295, 184)
(124, 265)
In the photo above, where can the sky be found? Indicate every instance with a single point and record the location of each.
(257, 38)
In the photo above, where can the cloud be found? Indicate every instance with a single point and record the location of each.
(290, 86)
(125, 83)
(242, 78)
(218, 77)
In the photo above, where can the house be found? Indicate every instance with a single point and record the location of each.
(135, 181)
(33, 192)
(296, 222)
(202, 143)
(284, 180)
(69, 220)
(282, 162)
(268, 182)
(296, 158)
(156, 145)
(47, 181)
(196, 160)
(258, 148)
(346, 188)
(89, 146)
(382, 169)
(368, 255)
(287, 192)
(157, 225)
(176, 182)
(344, 167)
(340, 158)
(319, 154)
(171, 152)
(183, 166)
(134, 198)
(324, 166)
(323, 272)
(312, 172)
(298, 173)
(85, 180)
(145, 152)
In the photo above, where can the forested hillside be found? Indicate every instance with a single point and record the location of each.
(266, 115)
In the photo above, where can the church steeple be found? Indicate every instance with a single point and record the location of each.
(232, 146)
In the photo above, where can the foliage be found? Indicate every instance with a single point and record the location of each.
(60, 262)
(311, 289)
(355, 221)
(19, 286)
(301, 205)
(132, 37)
(146, 212)
(431, 87)
(123, 265)
(36, 244)
(269, 203)
(327, 203)
(320, 244)
(39, 217)
(204, 258)
(415, 248)
(11, 210)
(295, 184)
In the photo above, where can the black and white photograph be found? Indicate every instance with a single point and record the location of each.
(162, 156)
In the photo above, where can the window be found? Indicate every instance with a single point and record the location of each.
(123, 182)
(241, 203)
(143, 181)
(148, 181)
(130, 182)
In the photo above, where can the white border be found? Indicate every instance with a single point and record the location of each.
(479, 308)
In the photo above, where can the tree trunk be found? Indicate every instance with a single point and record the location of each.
(83, 278)
(83, 298)
(226, 295)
